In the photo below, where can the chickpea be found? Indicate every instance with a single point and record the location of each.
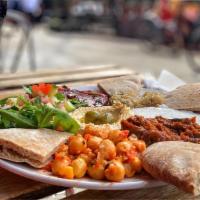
(63, 148)
(61, 168)
(140, 145)
(101, 132)
(132, 137)
(119, 158)
(90, 153)
(115, 171)
(62, 152)
(76, 144)
(96, 171)
(94, 142)
(123, 147)
(136, 163)
(129, 171)
(117, 135)
(85, 157)
(107, 149)
(100, 159)
(60, 155)
(80, 167)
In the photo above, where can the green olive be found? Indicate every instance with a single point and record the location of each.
(91, 116)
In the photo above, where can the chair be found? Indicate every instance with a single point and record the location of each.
(18, 20)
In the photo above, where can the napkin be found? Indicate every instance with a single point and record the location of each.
(166, 81)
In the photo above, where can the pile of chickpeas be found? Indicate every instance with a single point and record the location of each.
(100, 153)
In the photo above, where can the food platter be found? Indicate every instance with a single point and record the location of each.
(103, 137)
(126, 184)
(40, 175)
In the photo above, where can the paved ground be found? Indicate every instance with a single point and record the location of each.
(73, 49)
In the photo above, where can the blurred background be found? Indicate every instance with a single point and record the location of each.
(145, 35)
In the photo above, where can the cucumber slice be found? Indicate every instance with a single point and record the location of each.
(69, 106)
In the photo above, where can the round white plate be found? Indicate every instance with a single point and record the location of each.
(128, 183)
(39, 175)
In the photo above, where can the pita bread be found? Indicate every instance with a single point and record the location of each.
(186, 97)
(33, 146)
(11, 155)
(122, 85)
(175, 162)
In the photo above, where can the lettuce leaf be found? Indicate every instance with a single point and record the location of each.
(36, 115)
(13, 119)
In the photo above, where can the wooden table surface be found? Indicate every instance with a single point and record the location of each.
(165, 192)
(15, 187)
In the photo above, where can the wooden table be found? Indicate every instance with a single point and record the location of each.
(16, 187)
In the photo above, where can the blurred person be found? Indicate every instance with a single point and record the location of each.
(116, 10)
(3, 8)
(187, 15)
(14, 5)
(32, 8)
(174, 21)
(165, 14)
(159, 20)
(165, 11)
(126, 16)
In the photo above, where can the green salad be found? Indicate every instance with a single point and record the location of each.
(43, 106)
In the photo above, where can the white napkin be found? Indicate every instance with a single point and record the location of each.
(166, 81)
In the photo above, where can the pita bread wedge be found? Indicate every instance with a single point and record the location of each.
(121, 85)
(32, 146)
(186, 97)
(129, 90)
(175, 162)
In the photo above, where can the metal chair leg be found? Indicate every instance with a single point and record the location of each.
(31, 52)
(1, 52)
(25, 25)
(18, 53)
(31, 49)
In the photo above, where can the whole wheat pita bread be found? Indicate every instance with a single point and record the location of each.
(175, 162)
(122, 85)
(186, 97)
(33, 146)
(11, 155)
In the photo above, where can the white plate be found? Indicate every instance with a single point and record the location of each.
(128, 183)
(165, 112)
(39, 175)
